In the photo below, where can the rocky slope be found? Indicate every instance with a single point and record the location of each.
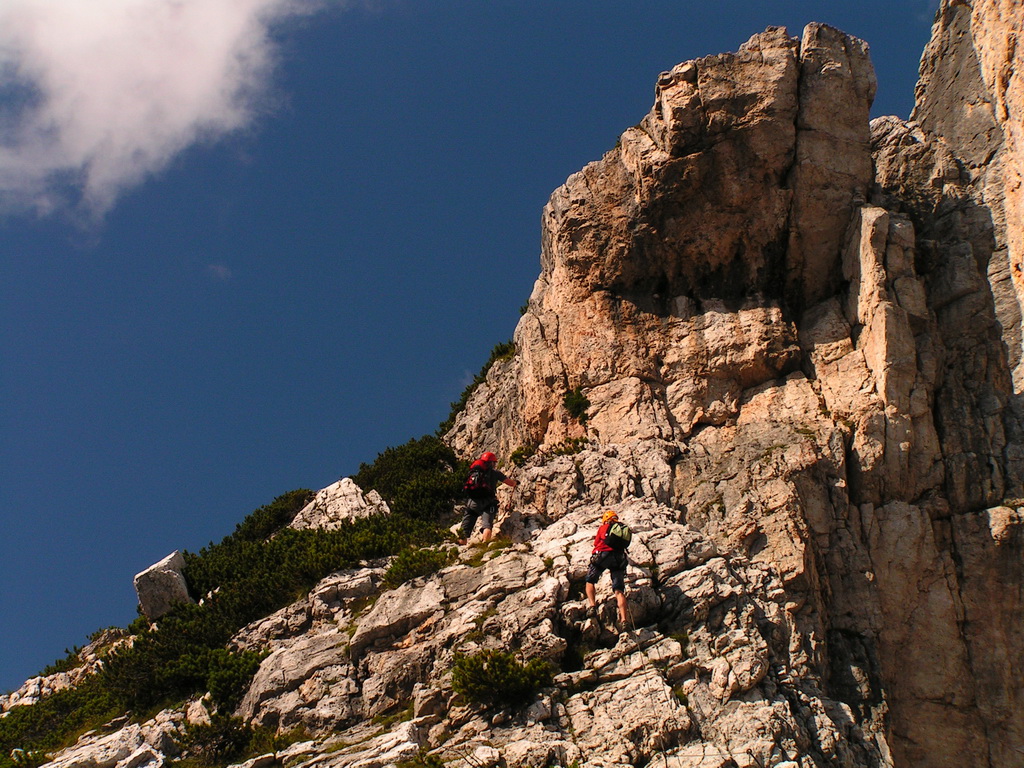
(798, 333)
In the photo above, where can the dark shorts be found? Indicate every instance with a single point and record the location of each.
(484, 509)
(614, 563)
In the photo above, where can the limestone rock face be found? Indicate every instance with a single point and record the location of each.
(971, 97)
(337, 503)
(146, 745)
(712, 654)
(813, 366)
(161, 585)
(666, 266)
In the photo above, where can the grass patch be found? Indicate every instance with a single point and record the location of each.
(569, 447)
(681, 637)
(477, 634)
(484, 550)
(423, 760)
(386, 719)
(523, 454)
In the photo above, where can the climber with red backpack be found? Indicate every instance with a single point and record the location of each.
(609, 554)
(481, 499)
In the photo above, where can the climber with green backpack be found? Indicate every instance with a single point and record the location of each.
(609, 554)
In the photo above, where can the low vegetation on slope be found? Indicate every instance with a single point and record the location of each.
(256, 570)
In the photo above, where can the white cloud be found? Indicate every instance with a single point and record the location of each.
(219, 272)
(97, 95)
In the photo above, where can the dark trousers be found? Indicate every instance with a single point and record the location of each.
(484, 509)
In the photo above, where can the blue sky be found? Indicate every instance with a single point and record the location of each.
(245, 246)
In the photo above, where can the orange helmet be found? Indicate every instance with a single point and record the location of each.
(489, 457)
(611, 514)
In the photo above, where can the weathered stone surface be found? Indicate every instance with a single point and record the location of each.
(162, 585)
(647, 253)
(387, 749)
(397, 612)
(815, 430)
(832, 169)
(336, 504)
(971, 98)
(309, 681)
(134, 746)
(329, 603)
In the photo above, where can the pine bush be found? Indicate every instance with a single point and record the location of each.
(497, 677)
(414, 563)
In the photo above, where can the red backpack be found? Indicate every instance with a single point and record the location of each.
(478, 484)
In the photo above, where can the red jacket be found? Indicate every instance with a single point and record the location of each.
(600, 545)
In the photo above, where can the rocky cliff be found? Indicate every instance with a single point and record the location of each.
(800, 331)
(790, 339)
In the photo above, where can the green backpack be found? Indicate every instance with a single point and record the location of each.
(618, 536)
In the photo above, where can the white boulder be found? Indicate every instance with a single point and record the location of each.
(162, 585)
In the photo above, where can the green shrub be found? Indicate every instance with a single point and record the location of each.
(399, 714)
(484, 549)
(228, 676)
(421, 479)
(576, 403)
(50, 722)
(269, 519)
(569, 447)
(423, 760)
(497, 677)
(522, 454)
(219, 564)
(502, 351)
(222, 741)
(184, 656)
(413, 563)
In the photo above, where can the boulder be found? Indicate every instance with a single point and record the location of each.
(162, 585)
(338, 503)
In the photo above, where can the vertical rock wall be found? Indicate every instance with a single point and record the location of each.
(971, 96)
(796, 325)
